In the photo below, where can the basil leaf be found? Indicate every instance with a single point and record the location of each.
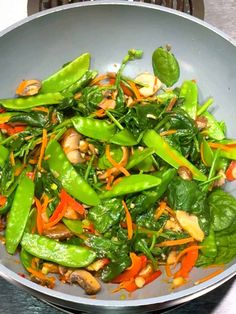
(165, 66)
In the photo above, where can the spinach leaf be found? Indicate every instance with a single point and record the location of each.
(223, 210)
(148, 221)
(186, 195)
(34, 119)
(106, 214)
(165, 66)
(89, 100)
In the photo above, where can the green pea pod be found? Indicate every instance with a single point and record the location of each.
(132, 184)
(26, 258)
(139, 156)
(71, 181)
(165, 66)
(96, 129)
(4, 154)
(229, 154)
(31, 222)
(124, 138)
(207, 153)
(189, 91)
(67, 75)
(170, 155)
(74, 225)
(81, 83)
(166, 176)
(214, 129)
(68, 255)
(23, 103)
(19, 213)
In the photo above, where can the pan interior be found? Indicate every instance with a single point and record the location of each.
(39, 47)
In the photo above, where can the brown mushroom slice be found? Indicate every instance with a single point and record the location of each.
(70, 146)
(86, 281)
(185, 173)
(151, 84)
(59, 231)
(28, 88)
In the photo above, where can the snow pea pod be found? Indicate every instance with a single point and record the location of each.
(207, 153)
(4, 154)
(152, 139)
(26, 258)
(189, 91)
(67, 75)
(68, 255)
(132, 184)
(82, 82)
(19, 213)
(71, 181)
(139, 156)
(124, 138)
(96, 129)
(214, 129)
(74, 225)
(32, 101)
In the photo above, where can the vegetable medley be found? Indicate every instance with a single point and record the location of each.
(109, 178)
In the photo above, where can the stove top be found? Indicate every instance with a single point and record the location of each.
(193, 7)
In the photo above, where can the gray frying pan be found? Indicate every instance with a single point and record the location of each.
(40, 44)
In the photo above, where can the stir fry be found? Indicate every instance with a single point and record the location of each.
(109, 178)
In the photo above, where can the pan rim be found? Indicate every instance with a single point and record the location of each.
(172, 298)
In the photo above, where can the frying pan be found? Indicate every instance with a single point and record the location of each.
(40, 44)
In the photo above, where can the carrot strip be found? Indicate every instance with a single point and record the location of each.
(220, 146)
(43, 147)
(79, 208)
(128, 221)
(169, 132)
(100, 113)
(168, 271)
(44, 109)
(175, 242)
(38, 274)
(170, 211)
(160, 210)
(39, 220)
(114, 163)
(99, 78)
(171, 104)
(135, 90)
(202, 155)
(186, 250)
(12, 159)
(208, 277)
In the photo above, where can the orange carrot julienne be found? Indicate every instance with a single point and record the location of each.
(208, 277)
(202, 155)
(186, 250)
(160, 210)
(38, 274)
(168, 270)
(135, 90)
(175, 242)
(220, 146)
(128, 221)
(43, 147)
(171, 104)
(44, 109)
(39, 220)
(3, 200)
(114, 163)
(100, 113)
(99, 78)
(12, 159)
(170, 211)
(168, 132)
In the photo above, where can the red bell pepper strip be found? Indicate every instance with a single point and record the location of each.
(72, 203)
(187, 263)
(133, 270)
(231, 171)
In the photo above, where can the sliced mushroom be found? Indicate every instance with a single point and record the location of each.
(185, 173)
(2, 223)
(220, 181)
(172, 225)
(107, 104)
(70, 145)
(151, 84)
(59, 231)
(28, 88)
(86, 280)
(99, 264)
(190, 224)
(201, 122)
(172, 257)
(50, 268)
